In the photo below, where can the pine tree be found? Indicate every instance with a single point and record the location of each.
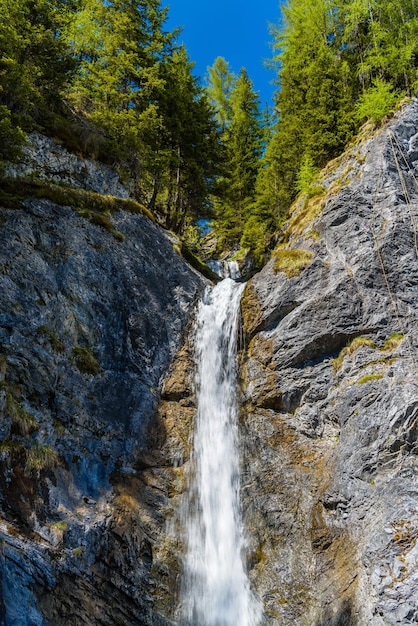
(190, 143)
(35, 65)
(315, 100)
(243, 144)
(220, 83)
(120, 45)
(382, 36)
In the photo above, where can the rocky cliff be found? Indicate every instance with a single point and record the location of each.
(96, 414)
(330, 396)
(89, 324)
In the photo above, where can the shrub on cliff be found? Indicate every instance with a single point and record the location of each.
(376, 102)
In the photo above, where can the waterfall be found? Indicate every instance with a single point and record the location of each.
(225, 269)
(216, 590)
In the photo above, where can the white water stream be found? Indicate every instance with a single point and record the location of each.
(216, 589)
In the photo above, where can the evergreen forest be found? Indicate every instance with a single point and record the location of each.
(111, 82)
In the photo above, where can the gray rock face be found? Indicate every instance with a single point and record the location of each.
(88, 328)
(47, 160)
(94, 449)
(330, 446)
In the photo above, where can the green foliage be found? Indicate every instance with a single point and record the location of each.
(12, 138)
(136, 84)
(188, 147)
(242, 139)
(221, 81)
(381, 38)
(255, 239)
(307, 176)
(376, 102)
(34, 62)
(192, 238)
(120, 45)
(339, 62)
(109, 79)
(85, 360)
(314, 103)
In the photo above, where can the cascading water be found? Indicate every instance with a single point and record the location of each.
(216, 588)
(225, 269)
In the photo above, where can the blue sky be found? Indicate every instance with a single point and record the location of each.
(234, 29)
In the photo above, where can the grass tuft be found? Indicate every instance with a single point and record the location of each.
(291, 262)
(368, 378)
(102, 220)
(13, 191)
(3, 365)
(53, 339)
(24, 421)
(85, 360)
(60, 525)
(304, 212)
(10, 446)
(392, 342)
(40, 457)
(118, 236)
(99, 219)
(355, 344)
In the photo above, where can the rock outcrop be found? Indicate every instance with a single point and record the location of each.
(96, 412)
(330, 397)
(45, 159)
(89, 325)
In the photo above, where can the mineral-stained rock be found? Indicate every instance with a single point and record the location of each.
(330, 489)
(88, 329)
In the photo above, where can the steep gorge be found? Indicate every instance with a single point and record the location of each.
(96, 366)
